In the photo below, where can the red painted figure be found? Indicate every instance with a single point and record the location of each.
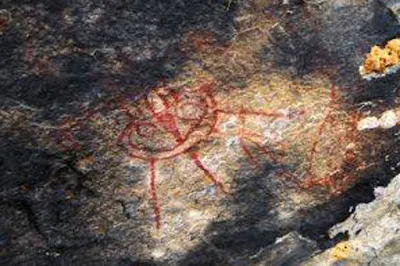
(342, 131)
(169, 123)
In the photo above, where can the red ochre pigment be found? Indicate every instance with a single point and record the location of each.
(171, 123)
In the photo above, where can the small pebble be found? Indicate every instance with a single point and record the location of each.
(368, 123)
(388, 119)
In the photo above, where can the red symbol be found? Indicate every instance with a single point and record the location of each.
(170, 123)
(335, 148)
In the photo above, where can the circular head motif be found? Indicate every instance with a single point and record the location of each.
(168, 123)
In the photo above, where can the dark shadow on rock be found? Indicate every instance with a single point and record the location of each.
(132, 262)
(51, 216)
(23, 166)
(295, 43)
(251, 205)
(330, 38)
(55, 56)
(267, 229)
(56, 53)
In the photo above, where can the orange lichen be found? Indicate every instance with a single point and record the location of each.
(380, 59)
(341, 251)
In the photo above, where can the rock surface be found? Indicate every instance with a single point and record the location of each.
(188, 132)
(373, 231)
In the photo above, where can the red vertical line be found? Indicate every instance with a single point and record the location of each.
(150, 106)
(333, 95)
(166, 120)
(28, 57)
(335, 105)
(240, 133)
(353, 126)
(320, 127)
(175, 95)
(248, 153)
(199, 164)
(121, 137)
(153, 193)
(241, 122)
(206, 90)
(216, 123)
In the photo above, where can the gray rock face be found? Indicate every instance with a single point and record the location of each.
(94, 206)
(394, 6)
(373, 230)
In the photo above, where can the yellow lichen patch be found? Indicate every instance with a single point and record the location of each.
(394, 46)
(380, 59)
(341, 251)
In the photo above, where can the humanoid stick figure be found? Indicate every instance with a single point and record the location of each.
(171, 123)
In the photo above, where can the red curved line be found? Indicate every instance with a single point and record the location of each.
(201, 105)
(127, 132)
(171, 156)
(265, 151)
(200, 121)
